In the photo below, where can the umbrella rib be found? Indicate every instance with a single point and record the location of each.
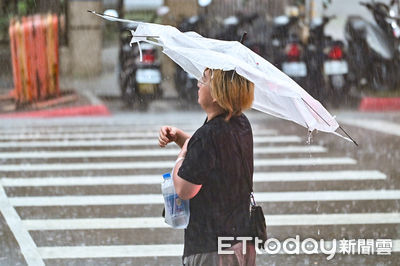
(315, 112)
(148, 36)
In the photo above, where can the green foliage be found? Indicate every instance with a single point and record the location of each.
(8, 10)
(26, 7)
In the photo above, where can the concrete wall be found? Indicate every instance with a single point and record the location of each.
(179, 9)
(84, 38)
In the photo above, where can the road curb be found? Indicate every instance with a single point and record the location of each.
(87, 110)
(379, 104)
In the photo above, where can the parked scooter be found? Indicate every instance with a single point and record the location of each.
(231, 31)
(139, 74)
(326, 64)
(374, 49)
(336, 72)
(287, 52)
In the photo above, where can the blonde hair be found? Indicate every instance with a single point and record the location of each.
(232, 92)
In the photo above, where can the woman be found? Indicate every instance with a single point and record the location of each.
(214, 170)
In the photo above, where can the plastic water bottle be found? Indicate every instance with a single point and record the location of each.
(177, 211)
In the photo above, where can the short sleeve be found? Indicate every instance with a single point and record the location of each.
(199, 161)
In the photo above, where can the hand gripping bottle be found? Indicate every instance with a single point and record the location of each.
(177, 211)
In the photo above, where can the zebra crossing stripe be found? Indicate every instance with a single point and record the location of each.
(317, 176)
(113, 135)
(25, 242)
(146, 152)
(297, 196)
(136, 251)
(135, 142)
(166, 164)
(120, 251)
(106, 130)
(158, 222)
(95, 135)
(155, 179)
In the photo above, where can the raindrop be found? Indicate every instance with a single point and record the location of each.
(317, 211)
(309, 138)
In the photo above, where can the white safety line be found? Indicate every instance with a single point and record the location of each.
(146, 152)
(376, 125)
(166, 164)
(137, 251)
(118, 251)
(107, 129)
(85, 129)
(86, 135)
(155, 179)
(318, 176)
(158, 222)
(297, 196)
(135, 142)
(113, 135)
(25, 242)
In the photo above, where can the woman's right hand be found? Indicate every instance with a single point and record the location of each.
(167, 134)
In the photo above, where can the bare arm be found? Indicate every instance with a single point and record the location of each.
(183, 188)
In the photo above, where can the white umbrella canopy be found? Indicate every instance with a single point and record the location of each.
(274, 92)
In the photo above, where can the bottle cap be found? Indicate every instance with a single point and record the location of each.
(167, 175)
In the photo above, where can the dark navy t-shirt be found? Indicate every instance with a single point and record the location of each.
(220, 158)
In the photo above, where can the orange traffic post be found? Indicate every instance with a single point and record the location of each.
(30, 58)
(25, 94)
(40, 40)
(14, 59)
(52, 53)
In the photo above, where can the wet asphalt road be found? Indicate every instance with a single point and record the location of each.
(86, 191)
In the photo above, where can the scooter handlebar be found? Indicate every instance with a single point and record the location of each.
(329, 18)
(367, 5)
(379, 11)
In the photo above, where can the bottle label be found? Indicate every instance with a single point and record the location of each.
(175, 205)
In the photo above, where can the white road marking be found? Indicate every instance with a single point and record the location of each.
(318, 176)
(155, 179)
(89, 129)
(108, 130)
(375, 125)
(52, 136)
(136, 142)
(158, 222)
(166, 164)
(137, 251)
(85, 135)
(158, 199)
(25, 242)
(119, 251)
(146, 152)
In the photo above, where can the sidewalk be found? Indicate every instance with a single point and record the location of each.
(97, 94)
